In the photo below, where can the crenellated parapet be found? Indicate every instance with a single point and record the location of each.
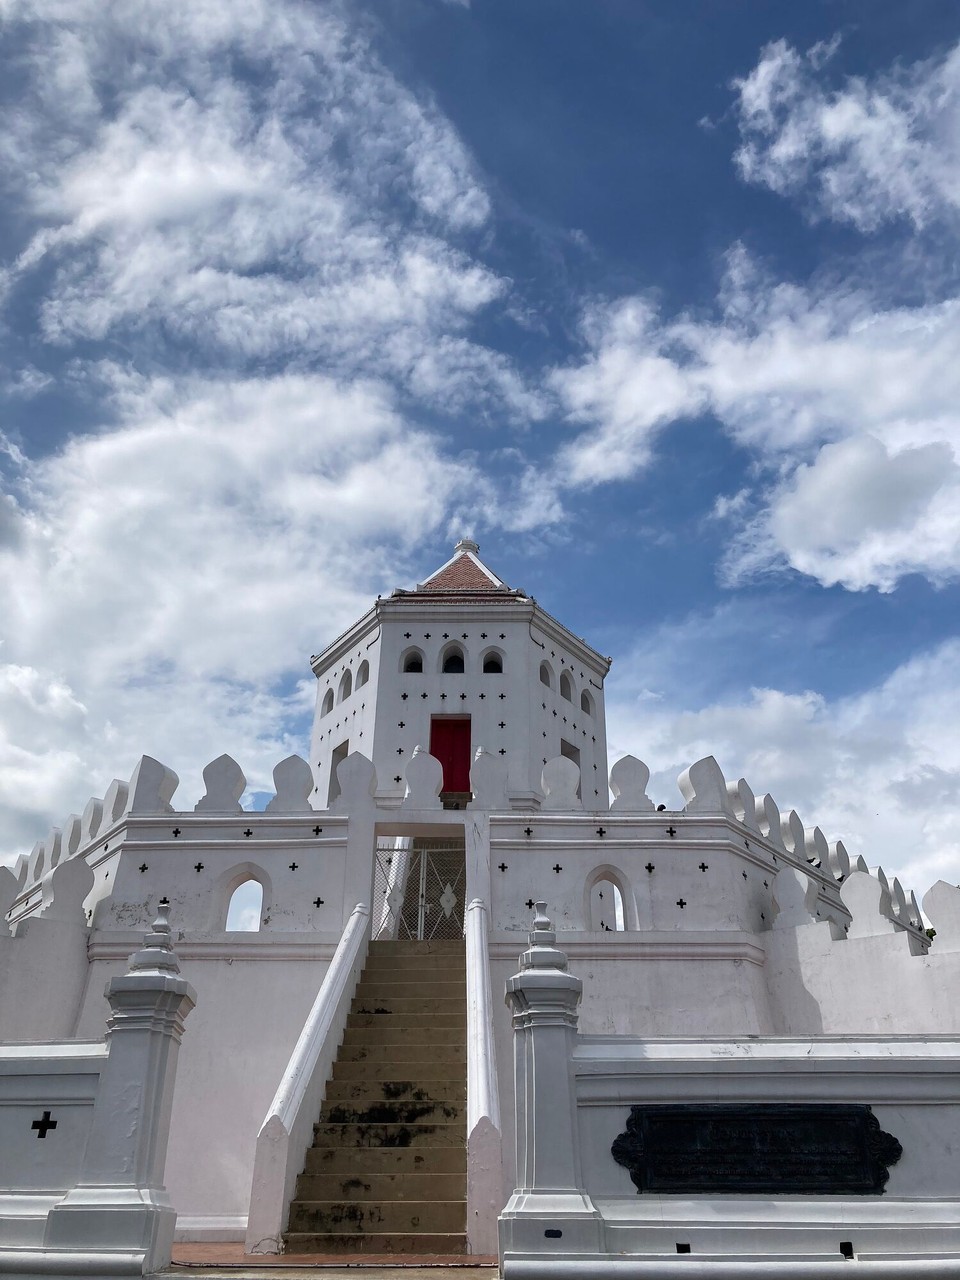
(708, 864)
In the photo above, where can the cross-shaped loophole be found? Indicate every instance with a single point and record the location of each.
(44, 1125)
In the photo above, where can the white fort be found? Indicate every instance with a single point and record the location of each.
(728, 1049)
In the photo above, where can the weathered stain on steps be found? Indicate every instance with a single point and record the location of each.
(387, 1171)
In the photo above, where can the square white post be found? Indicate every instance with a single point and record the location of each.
(120, 1203)
(549, 1212)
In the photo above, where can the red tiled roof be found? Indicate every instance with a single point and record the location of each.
(461, 575)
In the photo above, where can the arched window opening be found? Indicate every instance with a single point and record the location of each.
(546, 675)
(606, 907)
(585, 703)
(327, 705)
(566, 686)
(246, 908)
(363, 673)
(413, 661)
(346, 686)
(493, 665)
(453, 664)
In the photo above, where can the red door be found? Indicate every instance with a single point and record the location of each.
(450, 743)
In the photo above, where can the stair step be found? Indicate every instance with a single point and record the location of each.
(411, 1021)
(442, 1089)
(416, 1005)
(392, 1111)
(316, 1217)
(382, 1036)
(363, 1162)
(407, 1052)
(395, 1242)
(386, 1134)
(390, 973)
(400, 988)
(408, 947)
(379, 1187)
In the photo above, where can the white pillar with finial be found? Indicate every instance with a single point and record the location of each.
(549, 1212)
(120, 1205)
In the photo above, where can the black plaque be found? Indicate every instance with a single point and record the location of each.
(776, 1149)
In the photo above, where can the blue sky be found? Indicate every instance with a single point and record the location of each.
(660, 303)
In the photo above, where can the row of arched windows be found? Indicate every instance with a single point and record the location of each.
(452, 661)
(567, 687)
(605, 903)
(346, 687)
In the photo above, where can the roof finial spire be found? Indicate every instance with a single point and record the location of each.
(466, 544)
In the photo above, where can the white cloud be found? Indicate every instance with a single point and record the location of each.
(867, 152)
(628, 385)
(859, 515)
(167, 577)
(313, 209)
(849, 408)
(880, 769)
(847, 404)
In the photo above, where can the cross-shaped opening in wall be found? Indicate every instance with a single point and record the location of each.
(44, 1125)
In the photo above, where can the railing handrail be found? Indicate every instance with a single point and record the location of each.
(299, 1070)
(483, 1098)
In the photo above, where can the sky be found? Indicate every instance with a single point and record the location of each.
(660, 303)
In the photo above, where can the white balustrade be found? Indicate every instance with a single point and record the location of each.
(287, 1130)
(484, 1151)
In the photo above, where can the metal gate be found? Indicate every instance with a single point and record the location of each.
(418, 889)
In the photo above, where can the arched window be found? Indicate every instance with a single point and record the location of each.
(606, 907)
(566, 686)
(246, 907)
(327, 705)
(412, 661)
(493, 663)
(363, 673)
(346, 686)
(546, 674)
(452, 664)
(586, 703)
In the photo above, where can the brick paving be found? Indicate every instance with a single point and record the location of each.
(229, 1260)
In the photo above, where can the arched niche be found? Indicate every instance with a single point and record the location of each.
(346, 686)
(491, 663)
(546, 675)
(453, 660)
(234, 896)
(586, 703)
(566, 686)
(609, 904)
(327, 705)
(363, 674)
(411, 661)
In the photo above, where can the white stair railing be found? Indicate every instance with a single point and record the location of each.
(287, 1130)
(484, 1151)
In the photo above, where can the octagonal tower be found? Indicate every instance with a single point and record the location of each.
(462, 662)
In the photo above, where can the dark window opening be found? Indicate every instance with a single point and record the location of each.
(492, 665)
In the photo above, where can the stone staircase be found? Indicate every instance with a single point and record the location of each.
(387, 1172)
